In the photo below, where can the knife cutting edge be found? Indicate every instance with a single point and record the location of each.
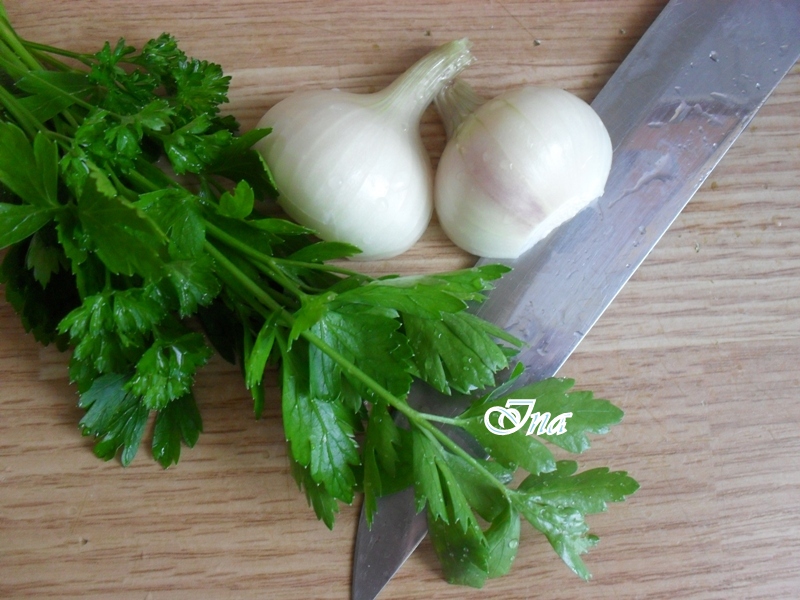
(673, 108)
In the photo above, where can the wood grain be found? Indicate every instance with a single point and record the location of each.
(701, 349)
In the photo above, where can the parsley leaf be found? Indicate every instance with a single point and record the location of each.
(123, 238)
(512, 450)
(565, 529)
(589, 491)
(98, 348)
(194, 86)
(427, 483)
(177, 214)
(136, 313)
(52, 92)
(114, 417)
(194, 282)
(554, 503)
(320, 431)
(130, 209)
(589, 414)
(178, 422)
(386, 466)
(160, 56)
(19, 222)
(463, 553)
(165, 372)
(239, 162)
(39, 307)
(551, 397)
(371, 342)
(481, 494)
(28, 170)
(321, 252)
(502, 538)
(195, 145)
(427, 296)
(258, 355)
(238, 204)
(44, 257)
(324, 504)
(88, 270)
(454, 352)
(116, 89)
(200, 86)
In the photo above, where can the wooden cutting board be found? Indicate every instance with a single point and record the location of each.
(701, 349)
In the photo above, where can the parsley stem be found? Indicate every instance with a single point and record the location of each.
(451, 445)
(22, 116)
(419, 420)
(438, 419)
(251, 286)
(347, 366)
(323, 267)
(70, 119)
(151, 178)
(357, 373)
(8, 35)
(276, 261)
(65, 140)
(10, 61)
(122, 188)
(233, 242)
(272, 270)
(46, 59)
(415, 417)
(84, 58)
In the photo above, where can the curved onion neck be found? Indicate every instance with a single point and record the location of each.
(455, 102)
(411, 93)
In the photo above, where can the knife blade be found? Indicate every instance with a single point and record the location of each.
(673, 108)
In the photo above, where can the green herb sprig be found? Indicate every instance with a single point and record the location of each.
(128, 207)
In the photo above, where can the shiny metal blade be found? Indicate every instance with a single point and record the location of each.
(383, 549)
(673, 108)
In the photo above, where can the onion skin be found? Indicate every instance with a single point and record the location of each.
(517, 167)
(353, 167)
(370, 187)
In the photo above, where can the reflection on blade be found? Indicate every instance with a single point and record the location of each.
(673, 109)
(390, 542)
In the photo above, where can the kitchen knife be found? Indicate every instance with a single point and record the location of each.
(673, 108)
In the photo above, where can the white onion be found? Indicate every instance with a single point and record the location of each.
(352, 167)
(517, 166)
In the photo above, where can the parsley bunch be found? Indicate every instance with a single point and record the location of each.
(129, 210)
